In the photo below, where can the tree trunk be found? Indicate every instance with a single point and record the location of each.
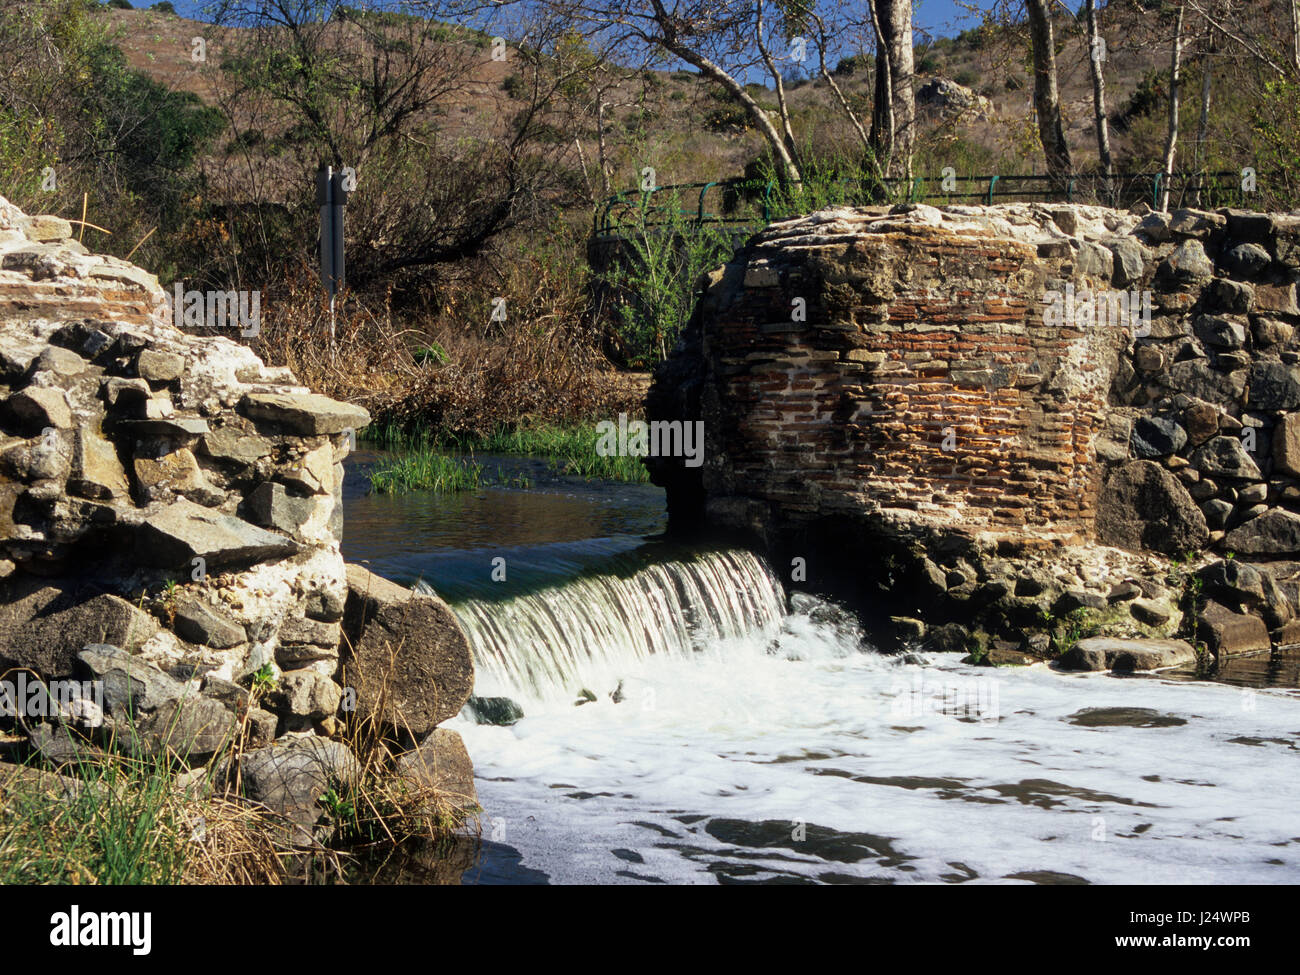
(775, 72)
(1095, 49)
(1171, 142)
(1047, 101)
(673, 45)
(1203, 124)
(601, 105)
(844, 103)
(893, 20)
(882, 106)
(1295, 36)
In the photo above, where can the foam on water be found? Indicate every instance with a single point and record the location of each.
(784, 751)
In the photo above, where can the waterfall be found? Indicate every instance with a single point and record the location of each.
(588, 631)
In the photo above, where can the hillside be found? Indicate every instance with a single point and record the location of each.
(470, 301)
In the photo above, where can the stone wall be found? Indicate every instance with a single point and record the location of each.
(170, 513)
(901, 380)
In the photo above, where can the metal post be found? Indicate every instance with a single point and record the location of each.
(331, 197)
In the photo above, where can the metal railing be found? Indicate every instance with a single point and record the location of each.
(755, 203)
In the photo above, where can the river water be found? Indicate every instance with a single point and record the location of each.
(686, 722)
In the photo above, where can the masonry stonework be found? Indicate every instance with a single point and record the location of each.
(897, 387)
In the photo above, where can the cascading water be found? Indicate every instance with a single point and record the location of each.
(588, 631)
(751, 744)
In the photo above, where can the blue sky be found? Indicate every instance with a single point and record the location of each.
(939, 17)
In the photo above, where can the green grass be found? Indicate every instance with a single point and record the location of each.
(436, 461)
(427, 469)
(122, 826)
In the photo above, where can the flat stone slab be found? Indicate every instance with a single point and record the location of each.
(307, 414)
(184, 530)
(1126, 656)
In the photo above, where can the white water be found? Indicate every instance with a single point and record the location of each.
(862, 767)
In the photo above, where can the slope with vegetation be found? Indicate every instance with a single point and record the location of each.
(192, 146)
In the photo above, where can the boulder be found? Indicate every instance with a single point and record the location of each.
(1149, 612)
(1144, 506)
(191, 728)
(131, 686)
(1221, 332)
(183, 530)
(1275, 532)
(1122, 656)
(1226, 633)
(410, 642)
(494, 710)
(160, 367)
(172, 474)
(1225, 457)
(442, 763)
(1155, 436)
(96, 471)
(271, 506)
(305, 414)
(307, 694)
(232, 443)
(1274, 385)
(58, 746)
(1187, 265)
(41, 406)
(199, 622)
(45, 627)
(1246, 260)
(290, 776)
(1130, 261)
(1286, 445)
(953, 99)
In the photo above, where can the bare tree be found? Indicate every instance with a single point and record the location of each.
(692, 32)
(1208, 49)
(822, 41)
(778, 82)
(893, 122)
(1047, 101)
(1175, 68)
(1096, 58)
(1295, 36)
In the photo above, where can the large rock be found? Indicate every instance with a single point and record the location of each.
(131, 686)
(199, 622)
(1274, 385)
(1144, 506)
(952, 99)
(184, 530)
(96, 471)
(1155, 436)
(191, 729)
(1187, 265)
(1275, 532)
(1225, 457)
(290, 777)
(307, 694)
(442, 763)
(407, 649)
(1226, 633)
(44, 627)
(1123, 656)
(1286, 445)
(306, 414)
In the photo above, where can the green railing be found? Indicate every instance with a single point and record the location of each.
(751, 203)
